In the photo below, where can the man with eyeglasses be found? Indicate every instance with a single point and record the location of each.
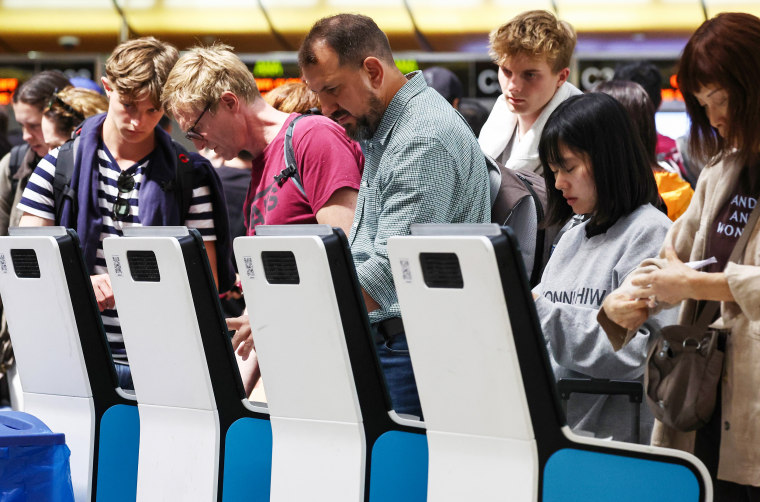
(125, 173)
(213, 96)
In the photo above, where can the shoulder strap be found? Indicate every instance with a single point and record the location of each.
(17, 157)
(524, 178)
(494, 177)
(291, 166)
(185, 180)
(18, 153)
(538, 261)
(64, 167)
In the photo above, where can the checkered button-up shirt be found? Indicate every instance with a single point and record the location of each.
(423, 165)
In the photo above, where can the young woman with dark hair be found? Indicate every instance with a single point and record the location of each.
(596, 168)
(29, 101)
(718, 76)
(675, 192)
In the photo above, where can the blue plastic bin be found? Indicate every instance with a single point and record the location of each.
(34, 462)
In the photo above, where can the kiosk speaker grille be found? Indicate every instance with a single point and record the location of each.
(280, 267)
(143, 266)
(441, 270)
(25, 263)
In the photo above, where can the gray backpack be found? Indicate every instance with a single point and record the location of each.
(518, 199)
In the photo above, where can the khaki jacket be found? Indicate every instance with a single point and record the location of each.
(9, 214)
(9, 217)
(740, 434)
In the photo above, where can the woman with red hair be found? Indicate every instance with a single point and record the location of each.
(719, 76)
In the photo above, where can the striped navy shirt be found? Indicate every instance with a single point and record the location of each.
(38, 200)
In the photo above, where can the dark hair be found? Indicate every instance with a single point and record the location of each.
(353, 37)
(37, 90)
(474, 113)
(597, 127)
(636, 102)
(647, 75)
(724, 51)
(445, 82)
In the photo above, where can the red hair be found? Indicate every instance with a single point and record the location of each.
(725, 52)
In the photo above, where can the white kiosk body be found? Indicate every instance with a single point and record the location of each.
(495, 427)
(46, 345)
(179, 423)
(318, 443)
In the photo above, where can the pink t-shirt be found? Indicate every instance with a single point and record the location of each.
(327, 160)
(665, 144)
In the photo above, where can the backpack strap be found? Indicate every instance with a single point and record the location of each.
(184, 182)
(64, 168)
(529, 187)
(291, 166)
(17, 157)
(494, 178)
(190, 171)
(538, 263)
(18, 153)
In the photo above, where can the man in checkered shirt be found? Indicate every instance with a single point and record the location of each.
(422, 165)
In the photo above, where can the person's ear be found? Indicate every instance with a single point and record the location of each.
(375, 71)
(563, 74)
(106, 85)
(229, 101)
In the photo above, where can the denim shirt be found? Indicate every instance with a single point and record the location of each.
(423, 165)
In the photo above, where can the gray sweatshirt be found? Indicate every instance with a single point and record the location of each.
(579, 275)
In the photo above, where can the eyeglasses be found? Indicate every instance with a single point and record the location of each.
(191, 134)
(125, 184)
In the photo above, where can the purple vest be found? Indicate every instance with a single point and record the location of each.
(158, 204)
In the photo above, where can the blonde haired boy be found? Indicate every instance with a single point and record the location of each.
(533, 51)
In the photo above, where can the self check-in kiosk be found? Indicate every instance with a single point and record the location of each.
(335, 437)
(64, 361)
(496, 430)
(200, 439)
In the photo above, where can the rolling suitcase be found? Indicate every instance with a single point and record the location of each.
(633, 389)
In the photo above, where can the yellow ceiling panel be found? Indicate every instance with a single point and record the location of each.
(643, 17)
(198, 21)
(61, 21)
(468, 18)
(448, 24)
(390, 18)
(717, 6)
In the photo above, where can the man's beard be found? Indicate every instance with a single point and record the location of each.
(366, 125)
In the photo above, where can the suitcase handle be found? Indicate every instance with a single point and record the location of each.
(631, 388)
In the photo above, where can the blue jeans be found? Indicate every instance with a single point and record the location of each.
(124, 376)
(399, 377)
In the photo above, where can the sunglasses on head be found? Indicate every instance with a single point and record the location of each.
(56, 100)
